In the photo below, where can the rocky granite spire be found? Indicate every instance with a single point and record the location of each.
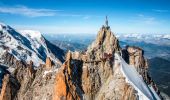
(97, 73)
(105, 43)
(100, 73)
(5, 91)
(48, 63)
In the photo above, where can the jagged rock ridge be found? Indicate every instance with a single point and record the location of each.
(24, 66)
(99, 72)
(95, 74)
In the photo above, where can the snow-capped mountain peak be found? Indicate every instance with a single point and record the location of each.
(27, 45)
(1, 26)
(31, 33)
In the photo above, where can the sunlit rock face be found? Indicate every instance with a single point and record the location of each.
(68, 84)
(96, 74)
(5, 91)
(135, 56)
(48, 63)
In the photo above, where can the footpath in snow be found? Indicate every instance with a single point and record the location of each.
(136, 80)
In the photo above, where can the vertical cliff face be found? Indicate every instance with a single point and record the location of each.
(5, 91)
(105, 43)
(67, 84)
(9, 88)
(48, 63)
(135, 56)
(27, 83)
(97, 74)
(99, 63)
(37, 84)
(96, 71)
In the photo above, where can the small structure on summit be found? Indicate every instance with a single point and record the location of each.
(106, 24)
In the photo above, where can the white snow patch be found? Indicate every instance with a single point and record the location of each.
(10, 51)
(1, 26)
(49, 71)
(154, 93)
(133, 77)
(25, 45)
(31, 33)
(11, 70)
(46, 72)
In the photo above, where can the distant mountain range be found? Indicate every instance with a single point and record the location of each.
(150, 43)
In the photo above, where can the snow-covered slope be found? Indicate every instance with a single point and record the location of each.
(133, 78)
(28, 45)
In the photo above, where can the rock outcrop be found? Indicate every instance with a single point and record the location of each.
(27, 83)
(135, 56)
(48, 63)
(5, 91)
(99, 76)
(67, 84)
(9, 88)
(95, 74)
(23, 55)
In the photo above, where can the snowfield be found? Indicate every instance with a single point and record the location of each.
(134, 79)
(28, 45)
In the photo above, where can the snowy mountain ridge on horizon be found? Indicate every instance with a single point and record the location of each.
(27, 45)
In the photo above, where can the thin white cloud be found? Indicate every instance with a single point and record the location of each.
(29, 12)
(32, 12)
(145, 20)
(86, 17)
(150, 21)
(140, 15)
(160, 10)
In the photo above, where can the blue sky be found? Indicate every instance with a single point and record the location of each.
(87, 16)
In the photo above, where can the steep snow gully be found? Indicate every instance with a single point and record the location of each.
(133, 78)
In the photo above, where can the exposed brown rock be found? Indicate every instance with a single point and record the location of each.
(135, 56)
(48, 63)
(27, 83)
(6, 90)
(97, 75)
(31, 68)
(65, 87)
(91, 75)
(101, 77)
(105, 42)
